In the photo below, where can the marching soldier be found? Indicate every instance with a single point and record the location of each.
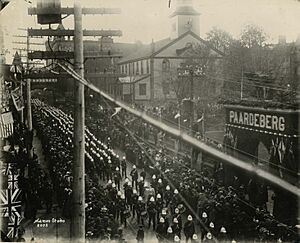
(159, 205)
(189, 228)
(175, 227)
(141, 184)
(134, 175)
(134, 202)
(117, 177)
(177, 215)
(151, 208)
(124, 167)
(161, 230)
(168, 195)
(141, 210)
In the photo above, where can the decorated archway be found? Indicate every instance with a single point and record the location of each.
(246, 129)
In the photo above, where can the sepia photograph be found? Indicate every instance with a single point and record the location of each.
(160, 121)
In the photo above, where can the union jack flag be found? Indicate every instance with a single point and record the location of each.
(6, 169)
(13, 224)
(12, 182)
(9, 202)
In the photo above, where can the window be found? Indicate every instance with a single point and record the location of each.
(142, 67)
(142, 89)
(133, 67)
(147, 65)
(137, 68)
(166, 65)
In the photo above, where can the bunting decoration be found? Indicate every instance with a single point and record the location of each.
(6, 125)
(17, 98)
(10, 200)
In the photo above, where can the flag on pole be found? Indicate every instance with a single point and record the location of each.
(200, 119)
(6, 125)
(177, 116)
(117, 110)
(17, 98)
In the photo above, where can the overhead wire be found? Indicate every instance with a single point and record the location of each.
(187, 138)
(136, 138)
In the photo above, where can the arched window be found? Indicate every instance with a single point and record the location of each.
(166, 65)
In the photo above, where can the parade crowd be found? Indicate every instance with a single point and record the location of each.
(176, 202)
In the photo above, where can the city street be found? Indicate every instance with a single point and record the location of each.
(149, 121)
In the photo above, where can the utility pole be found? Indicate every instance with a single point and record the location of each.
(78, 170)
(29, 113)
(242, 83)
(48, 13)
(192, 102)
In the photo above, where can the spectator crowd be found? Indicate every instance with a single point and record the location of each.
(176, 202)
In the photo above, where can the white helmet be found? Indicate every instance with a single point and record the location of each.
(140, 198)
(134, 191)
(176, 238)
(151, 199)
(129, 183)
(195, 237)
(164, 212)
(175, 220)
(170, 230)
(117, 169)
(212, 225)
(168, 188)
(113, 185)
(190, 218)
(158, 196)
(161, 220)
(142, 178)
(159, 180)
(119, 193)
(175, 191)
(154, 177)
(134, 167)
(109, 182)
(176, 210)
(223, 230)
(123, 196)
(204, 215)
(209, 236)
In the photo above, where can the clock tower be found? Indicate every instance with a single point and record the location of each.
(184, 18)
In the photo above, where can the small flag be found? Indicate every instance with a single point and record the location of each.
(17, 98)
(200, 119)
(177, 116)
(117, 110)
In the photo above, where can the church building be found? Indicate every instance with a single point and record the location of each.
(151, 72)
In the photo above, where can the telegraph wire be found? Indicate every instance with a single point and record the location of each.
(187, 138)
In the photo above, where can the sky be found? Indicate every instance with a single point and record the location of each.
(144, 20)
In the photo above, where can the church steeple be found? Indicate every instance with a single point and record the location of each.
(184, 18)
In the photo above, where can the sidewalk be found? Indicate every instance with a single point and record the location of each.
(47, 227)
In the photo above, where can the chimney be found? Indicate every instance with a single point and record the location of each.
(282, 40)
(152, 46)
